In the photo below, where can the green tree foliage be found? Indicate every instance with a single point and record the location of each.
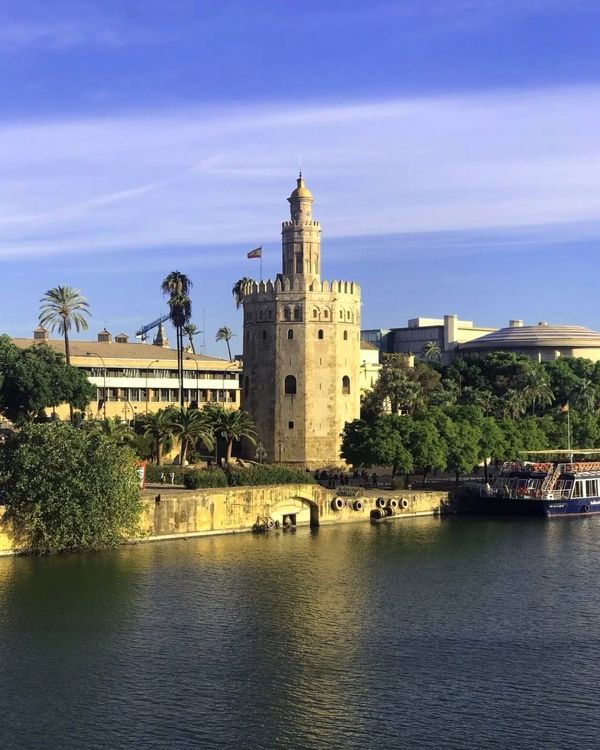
(232, 426)
(382, 442)
(191, 330)
(68, 489)
(225, 334)
(37, 378)
(238, 290)
(190, 426)
(177, 286)
(62, 308)
(158, 426)
(113, 430)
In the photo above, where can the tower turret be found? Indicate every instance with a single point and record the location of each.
(301, 236)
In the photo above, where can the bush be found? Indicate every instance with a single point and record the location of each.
(68, 489)
(153, 473)
(194, 480)
(265, 474)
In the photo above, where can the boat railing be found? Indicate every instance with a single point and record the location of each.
(520, 493)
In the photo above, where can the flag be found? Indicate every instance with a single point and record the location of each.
(564, 408)
(256, 253)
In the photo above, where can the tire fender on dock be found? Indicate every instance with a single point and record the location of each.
(337, 503)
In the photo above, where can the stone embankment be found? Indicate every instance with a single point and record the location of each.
(172, 513)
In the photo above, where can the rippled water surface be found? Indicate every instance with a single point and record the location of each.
(459, 633)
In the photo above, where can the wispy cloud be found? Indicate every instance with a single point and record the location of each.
(215, 176)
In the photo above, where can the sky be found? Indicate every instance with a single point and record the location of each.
(452, 146)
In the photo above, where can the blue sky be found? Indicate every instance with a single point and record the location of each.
(453, 148)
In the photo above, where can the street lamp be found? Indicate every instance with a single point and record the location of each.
(152, 361)
(105, 394)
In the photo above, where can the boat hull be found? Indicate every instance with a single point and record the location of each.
(508, 506)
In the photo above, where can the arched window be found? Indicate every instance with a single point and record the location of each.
(341, 315)
(287, 313)
(320, 334)
(290, 333)
(326, 313)
(261, 315)
(297, 313)
(348, 315)
(264, 335)
(315, 313)
(346, 385)
(270, 314)
(345, 335)
(289, 385)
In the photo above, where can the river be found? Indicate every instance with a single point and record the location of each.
(421, 633)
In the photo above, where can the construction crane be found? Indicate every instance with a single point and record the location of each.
(141, 334)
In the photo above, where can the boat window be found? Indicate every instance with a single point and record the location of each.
(591, 488)
(578, 489)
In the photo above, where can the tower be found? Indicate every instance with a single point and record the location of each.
(301, 349)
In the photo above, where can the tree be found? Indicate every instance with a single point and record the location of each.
(382, 442)
(513, 404)
(233, 426)
(68, 489)
(190, 330)
(432, 352)
(61, 308)
(114, 431)
(427, 447)
(225, 334)
(238, 290)
(158, 426)
(584, 395)
(178, 286)
(37, 378)
(191, 425)
(397, 387)
(537, 388)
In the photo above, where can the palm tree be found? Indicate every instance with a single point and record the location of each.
(119, 433)
(585, 396)
(190, 330)
(537, 389)
(238, 290)
(514, 404)
(191, 425)
(432, 352)
(233, 426)
(225, 334)
(177, 285)
(61, 308)
(158, 426)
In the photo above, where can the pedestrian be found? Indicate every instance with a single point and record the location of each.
(374, 479)
(162, 477)
(172, 477)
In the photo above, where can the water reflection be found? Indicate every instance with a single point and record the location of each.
(422, 633)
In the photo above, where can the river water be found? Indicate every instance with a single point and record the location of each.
(421, 633)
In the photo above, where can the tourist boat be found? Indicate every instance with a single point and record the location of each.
(542, 488)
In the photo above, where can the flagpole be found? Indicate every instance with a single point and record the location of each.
(261, 266)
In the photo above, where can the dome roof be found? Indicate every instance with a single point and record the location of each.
(301, 190)
(540, 335)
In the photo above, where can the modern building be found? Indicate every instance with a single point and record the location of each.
(447, 333)
(301, 349)
(542, 342)
(133, 379)
(369, 366)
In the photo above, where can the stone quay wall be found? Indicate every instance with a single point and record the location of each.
(171, 513)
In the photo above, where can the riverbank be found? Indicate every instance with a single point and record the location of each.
(175, 513)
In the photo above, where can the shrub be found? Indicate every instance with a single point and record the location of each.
(193, 480)
(265, 474)
(68, 489)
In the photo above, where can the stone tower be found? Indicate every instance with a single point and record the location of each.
(301, 349)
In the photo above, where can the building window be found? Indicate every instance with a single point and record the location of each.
(260, 315)
(345, 335)
(346, 385)
(298, 313)
(298, 264)
(341, 315)
(290, 333)
(270, 314)
(289, 385)
(287, 313)
(326, 314)
(348, 315)
(320, 334)
(264, 335)
(315, 313)
(290, 425)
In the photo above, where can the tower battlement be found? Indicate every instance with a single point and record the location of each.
(284, 284)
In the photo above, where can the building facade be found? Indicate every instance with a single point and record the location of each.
(301, 349)
(134, 379)
(448, 333)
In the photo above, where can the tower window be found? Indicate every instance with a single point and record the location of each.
(345, 335)
(326, 313)
(298, 313)
(315, 313)
(287, 313)
(348, 315)
(290, 425)
(264, 335)
(289, 385)
(320, 334)
(298, 264)
(270, 314)
(290, 333)
(341, 315)
(346, 385)
(261, 315)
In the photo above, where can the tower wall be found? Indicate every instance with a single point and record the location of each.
(302, 328)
